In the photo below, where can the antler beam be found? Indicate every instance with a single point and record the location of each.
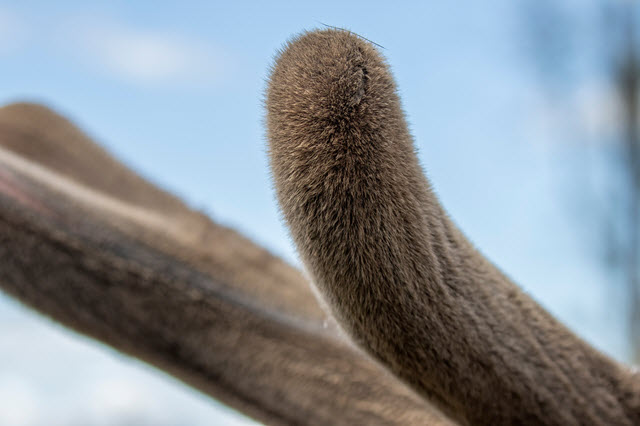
(177, 291)
(400, 277)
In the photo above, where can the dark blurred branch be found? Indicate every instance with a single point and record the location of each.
(617, 212)
(628, 79)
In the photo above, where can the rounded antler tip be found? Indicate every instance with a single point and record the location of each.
(326, 82)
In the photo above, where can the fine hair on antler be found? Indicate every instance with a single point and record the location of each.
(113, 257)
(398, 275)
(91, 244)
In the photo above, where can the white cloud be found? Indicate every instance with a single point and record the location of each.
(149, 57)
(146, 57)
(18, 405)
(591, 113)
(123, 401)
(598, 108)
(50, 376)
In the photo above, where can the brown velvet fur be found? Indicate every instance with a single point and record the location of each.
(172, 288)
(399, 276)
(95, 246)
(40, 135)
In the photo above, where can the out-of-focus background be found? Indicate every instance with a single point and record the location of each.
(525, 114)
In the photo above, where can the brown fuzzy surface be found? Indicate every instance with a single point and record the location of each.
(40, 135)
(397, 273)
(172, 288)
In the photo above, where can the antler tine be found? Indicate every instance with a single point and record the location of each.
(399, 276)
(174, 289)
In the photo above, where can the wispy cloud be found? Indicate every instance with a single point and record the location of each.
(146, 56)
(598, 108)
(19, 407)
(153, 57)
(80, 383)
(589, 113)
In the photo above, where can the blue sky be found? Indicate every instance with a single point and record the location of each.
(175, 90)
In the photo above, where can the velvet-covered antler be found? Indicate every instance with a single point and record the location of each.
(399, 276)
(92, 245)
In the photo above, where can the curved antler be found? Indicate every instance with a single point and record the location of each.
(47, 139)
(399, 276)
(95, 249)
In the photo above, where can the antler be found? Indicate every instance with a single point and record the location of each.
(398, 275)
(41, 136)
(91, 244)
(99, 249)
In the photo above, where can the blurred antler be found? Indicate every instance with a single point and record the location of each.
(399, 276)
(94, 246)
